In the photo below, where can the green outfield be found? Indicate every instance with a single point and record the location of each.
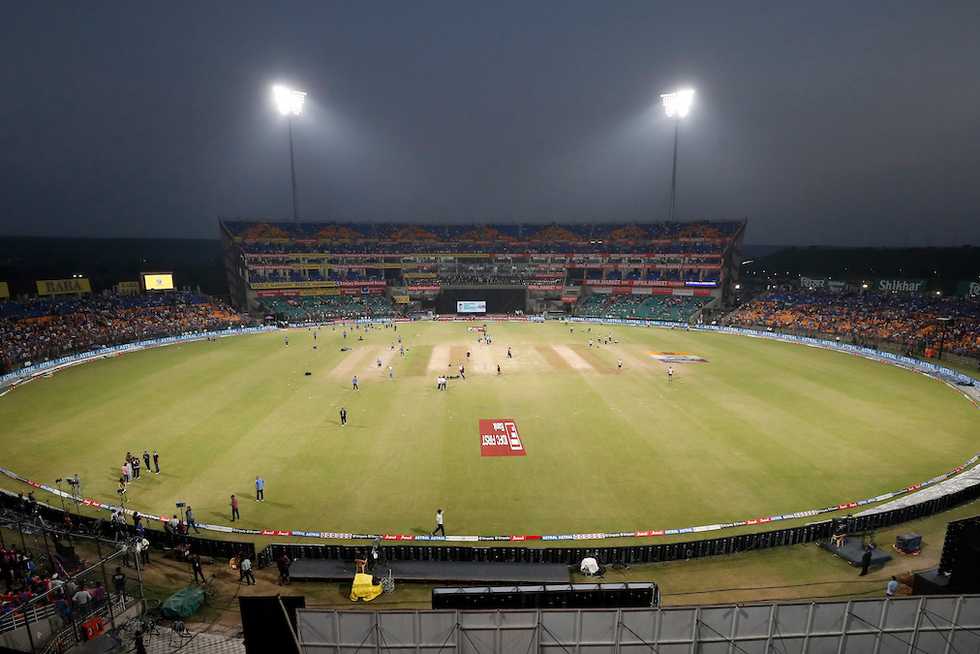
(761, 427)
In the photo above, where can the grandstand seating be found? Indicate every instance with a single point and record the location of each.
(908, 319)
(670, 308)
(421, 260)
(39, 329)
(387, 237)
(329, 307)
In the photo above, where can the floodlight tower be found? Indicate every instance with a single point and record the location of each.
(289, 102)
(676, 105)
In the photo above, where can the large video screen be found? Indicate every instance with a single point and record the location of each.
(158, 281)
(471, 306)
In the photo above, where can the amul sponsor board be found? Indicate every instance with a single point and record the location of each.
(499, 437)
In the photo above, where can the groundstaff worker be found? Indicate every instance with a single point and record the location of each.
(440, 523)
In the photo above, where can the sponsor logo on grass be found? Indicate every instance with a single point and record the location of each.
(677, 357)
(499, 437)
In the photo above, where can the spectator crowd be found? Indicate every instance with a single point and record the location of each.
(867, 318)
(24, 581)
(40, 329)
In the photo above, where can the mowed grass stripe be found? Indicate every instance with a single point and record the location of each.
(416, 361)
(594, 358)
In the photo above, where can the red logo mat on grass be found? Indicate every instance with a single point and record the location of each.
(499, 437)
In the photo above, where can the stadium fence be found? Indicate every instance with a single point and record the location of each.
(939, 623)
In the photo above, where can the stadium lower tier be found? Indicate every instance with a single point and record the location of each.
(671, 308)
(918, 322)
(328, 307)
(37, 330)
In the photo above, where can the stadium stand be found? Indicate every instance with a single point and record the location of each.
(670, 308)
(321, 308)
(266, 262)
(35, 330)
(911, 320)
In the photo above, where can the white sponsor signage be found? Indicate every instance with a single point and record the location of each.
(810, 282)
(900, 285)
(471, 306)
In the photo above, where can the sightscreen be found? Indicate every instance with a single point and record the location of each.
(158, 281)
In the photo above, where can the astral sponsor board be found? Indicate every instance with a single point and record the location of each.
(63, 286)
(471, 306)
(499, 437)
(677, 357)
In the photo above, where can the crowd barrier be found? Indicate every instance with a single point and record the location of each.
(27, 373)
(923, 625)
(642, 533)
(628, 554)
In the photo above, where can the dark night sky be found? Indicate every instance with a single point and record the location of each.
(849, 123)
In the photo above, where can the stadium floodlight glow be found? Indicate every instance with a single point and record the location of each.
(678, 104)
(288, 101)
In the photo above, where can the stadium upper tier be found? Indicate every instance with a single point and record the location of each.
(271, 238)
